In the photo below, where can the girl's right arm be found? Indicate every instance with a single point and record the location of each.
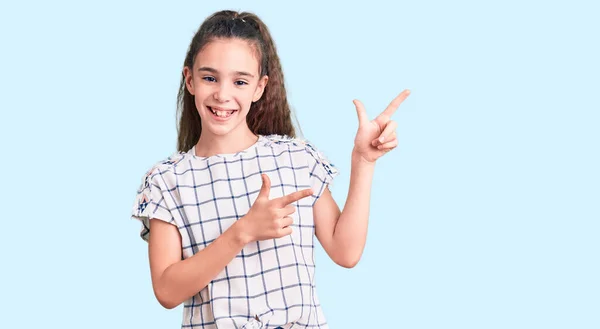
(175, 280)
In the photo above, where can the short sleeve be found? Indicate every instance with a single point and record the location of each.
(321, 170)
(150, 202)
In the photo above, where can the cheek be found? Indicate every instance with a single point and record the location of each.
(246, 96)
(202, 91)
(250, 97)
(254, 92)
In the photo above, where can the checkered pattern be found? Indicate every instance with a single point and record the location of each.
(269, 283)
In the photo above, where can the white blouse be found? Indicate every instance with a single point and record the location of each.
(270, 283)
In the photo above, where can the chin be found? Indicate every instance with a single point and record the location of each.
(218, 131)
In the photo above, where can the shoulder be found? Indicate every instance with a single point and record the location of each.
(288, 142)
(293, 144)
(304, 146)
(164, 166)
(283, 140)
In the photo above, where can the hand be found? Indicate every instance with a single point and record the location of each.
(270, 219)
(377, 137)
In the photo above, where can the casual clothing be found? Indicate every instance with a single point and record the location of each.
(269, 283)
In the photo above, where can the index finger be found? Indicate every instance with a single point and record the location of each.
(293, 197)
(395, 103)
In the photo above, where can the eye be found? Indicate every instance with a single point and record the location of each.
(240, 83)
(209, 79)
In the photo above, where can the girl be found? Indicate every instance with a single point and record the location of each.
(230, 218)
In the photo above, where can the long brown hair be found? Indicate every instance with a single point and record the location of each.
(271, 114)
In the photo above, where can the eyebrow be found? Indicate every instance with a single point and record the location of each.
(210, 69)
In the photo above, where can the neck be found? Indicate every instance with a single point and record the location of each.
(235, 141)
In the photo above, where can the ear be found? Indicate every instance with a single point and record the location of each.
(189, 81)
(260, 88)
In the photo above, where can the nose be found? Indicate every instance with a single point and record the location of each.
(222, 94)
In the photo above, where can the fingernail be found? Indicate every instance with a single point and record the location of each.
(381, 139)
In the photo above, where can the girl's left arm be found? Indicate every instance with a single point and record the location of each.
(343, 234)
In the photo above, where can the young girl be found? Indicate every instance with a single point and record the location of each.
(230, 218)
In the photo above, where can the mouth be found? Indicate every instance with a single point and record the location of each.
(221, 113)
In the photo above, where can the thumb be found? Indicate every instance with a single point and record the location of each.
(361, 112)
(265, 189)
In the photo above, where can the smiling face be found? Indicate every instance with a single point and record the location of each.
(225, 80)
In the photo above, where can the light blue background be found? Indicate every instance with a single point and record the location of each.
(485, 216)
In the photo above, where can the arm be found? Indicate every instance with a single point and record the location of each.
(343, 235)
(175, 280)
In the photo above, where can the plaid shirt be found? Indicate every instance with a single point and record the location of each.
(269, 283)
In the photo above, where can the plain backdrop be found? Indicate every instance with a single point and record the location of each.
(485, 216)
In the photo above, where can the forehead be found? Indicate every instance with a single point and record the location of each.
(228, 55)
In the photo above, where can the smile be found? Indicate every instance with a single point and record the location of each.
(221, 113)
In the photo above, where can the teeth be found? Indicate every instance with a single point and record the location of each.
(222, 114)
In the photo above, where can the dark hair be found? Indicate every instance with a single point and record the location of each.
(271, 114)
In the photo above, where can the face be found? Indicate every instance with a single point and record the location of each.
(225, 81)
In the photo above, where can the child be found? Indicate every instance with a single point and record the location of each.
(230, 218)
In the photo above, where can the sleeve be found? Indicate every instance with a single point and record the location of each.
(321, 171)
(150, 202)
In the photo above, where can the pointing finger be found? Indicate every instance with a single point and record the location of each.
(293, 197)
(395, 103)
